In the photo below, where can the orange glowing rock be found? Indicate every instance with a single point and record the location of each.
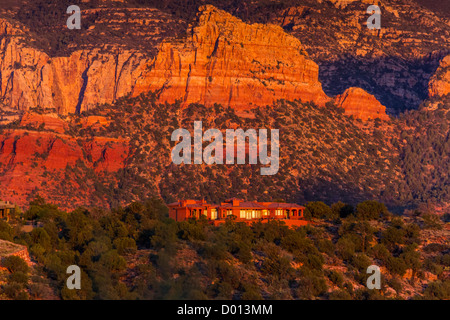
(360, 104)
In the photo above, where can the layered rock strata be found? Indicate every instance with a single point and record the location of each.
(361, 105)
(439, 85)
(223, 60)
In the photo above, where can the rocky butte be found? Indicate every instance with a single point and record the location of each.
(222, 60)
(353, 101)
(229, 62)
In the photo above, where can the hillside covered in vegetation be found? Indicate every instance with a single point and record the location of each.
(138, 253)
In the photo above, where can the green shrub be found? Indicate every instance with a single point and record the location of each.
(15, 291)
(396, 266)
(112, 261)
(432, 221)
(15, 264)
(396, 285)
(325, 246)
(6, 232)
(361, 262)
(339, 295)
(320, 210)
(336, 277)
(125, 245)
(345, 249)
(370, 210)
(18, 277)
(438, 290)
(251, 292)
(311, 287)
(342, 210)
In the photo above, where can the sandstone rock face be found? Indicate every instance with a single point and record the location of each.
(440, 82)
(232, 63)
(50, 122)
(392, 63)
(28, 158)
(30, 78)
(223, 60)
(95, 122)
(396, 60)
(361, 105)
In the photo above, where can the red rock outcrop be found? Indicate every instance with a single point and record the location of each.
(223, 60)
(95, 120)
(361, 105)
(28, 157)
(227, 61)
(30, 78)
(48, 121)
(439, 85)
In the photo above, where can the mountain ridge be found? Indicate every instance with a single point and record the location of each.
(224, 61)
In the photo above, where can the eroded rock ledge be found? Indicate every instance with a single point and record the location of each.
(223, 60)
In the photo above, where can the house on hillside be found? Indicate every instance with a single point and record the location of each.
(238, 210)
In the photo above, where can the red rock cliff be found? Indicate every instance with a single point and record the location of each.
(226, 61)
(50, 122)
(439, 85)
(29, 160)
(30, 78)
(222, 60)
(360, 104)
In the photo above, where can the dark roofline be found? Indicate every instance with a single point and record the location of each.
(242, 204)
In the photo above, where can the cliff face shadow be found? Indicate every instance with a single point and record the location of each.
(397, 83)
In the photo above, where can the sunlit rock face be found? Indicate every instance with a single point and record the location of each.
(227, 61)
(221, 60)
(361, 104)
(440, 82)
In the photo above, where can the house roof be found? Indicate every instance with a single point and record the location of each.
(281, 205)
(242, 204)
(189, 202)
(173, 204)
